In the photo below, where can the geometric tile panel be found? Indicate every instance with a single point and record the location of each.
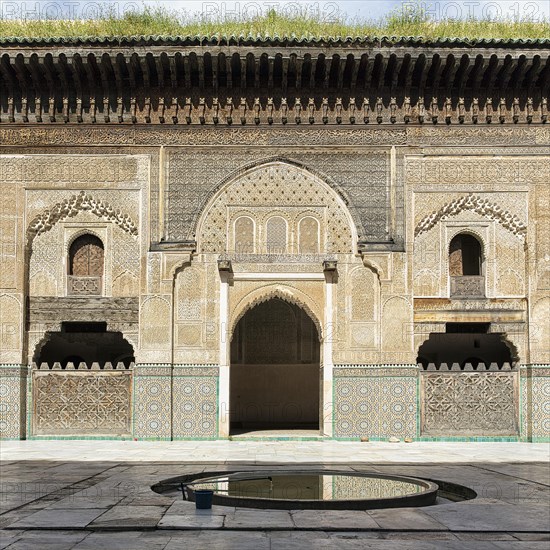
(12, 391)
(535, 399)
(152, 409)
(195, 407)
(376, 407)
(541, 407)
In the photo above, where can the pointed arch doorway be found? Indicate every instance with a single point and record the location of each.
(275, 370)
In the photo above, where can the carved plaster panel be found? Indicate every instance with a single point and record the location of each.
(81, 403)
(281, 188)
(464, 171)
(74, 171)
(361, 179)
(11, 328)
(469, 403)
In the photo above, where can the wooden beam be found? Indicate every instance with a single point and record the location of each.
(449, 74)
(5, 69)
(424, 76)
(533, 74)
(299, 66)
(354, 72)
(396, 71)
(477, 74)
(437, 69)
(76, 67)
(340, 76)
(90, 73)
(505, 74)
(519, 73)
(464, 70)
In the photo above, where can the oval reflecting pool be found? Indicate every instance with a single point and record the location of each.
(325, 490)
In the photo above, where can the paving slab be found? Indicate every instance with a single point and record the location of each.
(58, 519)
(226, 540)
(198, 521)
(405, 519)
(129, 517)
(259, 519)
(7, 537)
(125, 541)
(531, 536)
(370, 544)
(47, 540)
(485, 536)
(419, 535)
(79, 503)
(183, 507)
(330, 520)
(496, 517)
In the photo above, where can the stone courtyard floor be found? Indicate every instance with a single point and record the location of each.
(97, 494)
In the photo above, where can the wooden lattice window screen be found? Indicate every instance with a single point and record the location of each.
(86, 257)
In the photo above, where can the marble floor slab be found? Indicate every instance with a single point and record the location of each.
(54, 495)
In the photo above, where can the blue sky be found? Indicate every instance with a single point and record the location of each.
(362, 9)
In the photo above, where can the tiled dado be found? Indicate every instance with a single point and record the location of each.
(13, 390)
(152, 401)
(535, 402)
(377, 401)
(195, 402)
(178, 402)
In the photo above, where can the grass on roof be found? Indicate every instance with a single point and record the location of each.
(165, 22)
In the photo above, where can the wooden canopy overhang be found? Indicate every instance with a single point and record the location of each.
(244, 81)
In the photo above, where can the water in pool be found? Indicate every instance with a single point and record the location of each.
(310, 487)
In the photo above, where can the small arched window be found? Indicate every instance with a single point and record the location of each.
(276, 235)
(464, 256)
(465, 267)
(309, 235)
(244, 235)
(86, 258)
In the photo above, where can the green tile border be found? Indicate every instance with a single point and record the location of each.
(418, 407)
(80, 438)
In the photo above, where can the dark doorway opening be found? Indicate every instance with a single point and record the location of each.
(275, 370)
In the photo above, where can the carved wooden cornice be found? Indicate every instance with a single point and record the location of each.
(318, 84)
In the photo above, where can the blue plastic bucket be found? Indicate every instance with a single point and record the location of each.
(203, 499)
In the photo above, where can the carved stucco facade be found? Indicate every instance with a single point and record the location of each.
(165, 202)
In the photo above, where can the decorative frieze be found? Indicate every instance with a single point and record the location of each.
(374, 371)
(470, 170)
(173, 135)
(63, 171)
(442, 304)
